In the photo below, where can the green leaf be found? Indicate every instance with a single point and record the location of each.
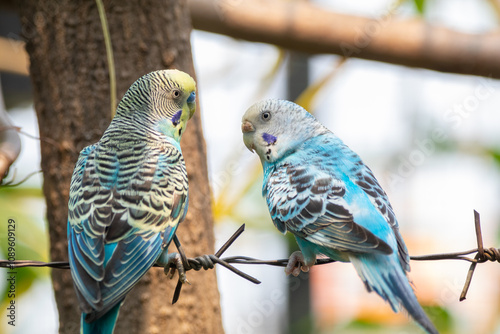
(306, 98)
(495, 154)
(228, 203)
(440, 317)
(420, 5)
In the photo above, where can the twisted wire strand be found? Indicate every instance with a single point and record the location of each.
(490, 254)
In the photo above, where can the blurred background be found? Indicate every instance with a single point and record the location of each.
(432, 139)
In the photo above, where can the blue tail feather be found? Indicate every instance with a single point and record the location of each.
(103, 325)
(386, 277)
(404, 292)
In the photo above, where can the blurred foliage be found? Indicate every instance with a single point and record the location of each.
(495, 5)
(495, 154)
(271, 75)
(245, 204)
(370, 327)
(419, 5)
(31, 239)
(233, 204)
(228, 204)
(307, 98)
(239, 200)
(365, 326)
(442, 318)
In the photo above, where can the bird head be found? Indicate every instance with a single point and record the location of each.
(166, 99)
(274, 128)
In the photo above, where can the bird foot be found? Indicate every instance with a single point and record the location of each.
(173, 263)
(296, 263)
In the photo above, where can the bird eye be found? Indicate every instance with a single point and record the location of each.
(176, 93)
(266, 116)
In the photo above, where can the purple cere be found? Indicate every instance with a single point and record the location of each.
(270, 139)
(176, 117)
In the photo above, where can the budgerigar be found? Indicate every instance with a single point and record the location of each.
(129, 192)
(319, 190)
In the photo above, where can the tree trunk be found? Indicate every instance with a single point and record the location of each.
(72, 97)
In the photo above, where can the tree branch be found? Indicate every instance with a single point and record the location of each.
(300, 26)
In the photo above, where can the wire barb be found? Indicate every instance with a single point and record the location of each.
(483, 255)
(207, 262)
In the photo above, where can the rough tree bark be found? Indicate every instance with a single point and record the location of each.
(71, 92)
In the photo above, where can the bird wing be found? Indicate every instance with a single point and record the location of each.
(125, 205)
(311, 203)
(365, 179)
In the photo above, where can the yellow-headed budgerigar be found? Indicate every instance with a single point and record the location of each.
(321, 191)
(129, 192)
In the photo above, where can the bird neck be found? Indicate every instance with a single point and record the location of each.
(133, 128)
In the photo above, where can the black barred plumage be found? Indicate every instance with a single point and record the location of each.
(320, 190)
(128, 184)
(317, 212)
(128, 194)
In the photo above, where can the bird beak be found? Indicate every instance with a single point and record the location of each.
(192, 97)
(191, 102)
(246, 126)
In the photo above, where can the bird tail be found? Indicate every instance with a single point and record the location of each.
(103, 325)
(384, 275)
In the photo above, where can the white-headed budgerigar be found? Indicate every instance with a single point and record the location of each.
(129, 192)
(319, 190)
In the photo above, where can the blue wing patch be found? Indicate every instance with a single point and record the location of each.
(133, 258)
(312, 205)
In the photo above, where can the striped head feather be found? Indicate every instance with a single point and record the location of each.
(162, 100)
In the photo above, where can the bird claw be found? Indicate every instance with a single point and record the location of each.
(174, 262)
(296, 263)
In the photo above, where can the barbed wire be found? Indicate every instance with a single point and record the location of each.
(207, 262)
